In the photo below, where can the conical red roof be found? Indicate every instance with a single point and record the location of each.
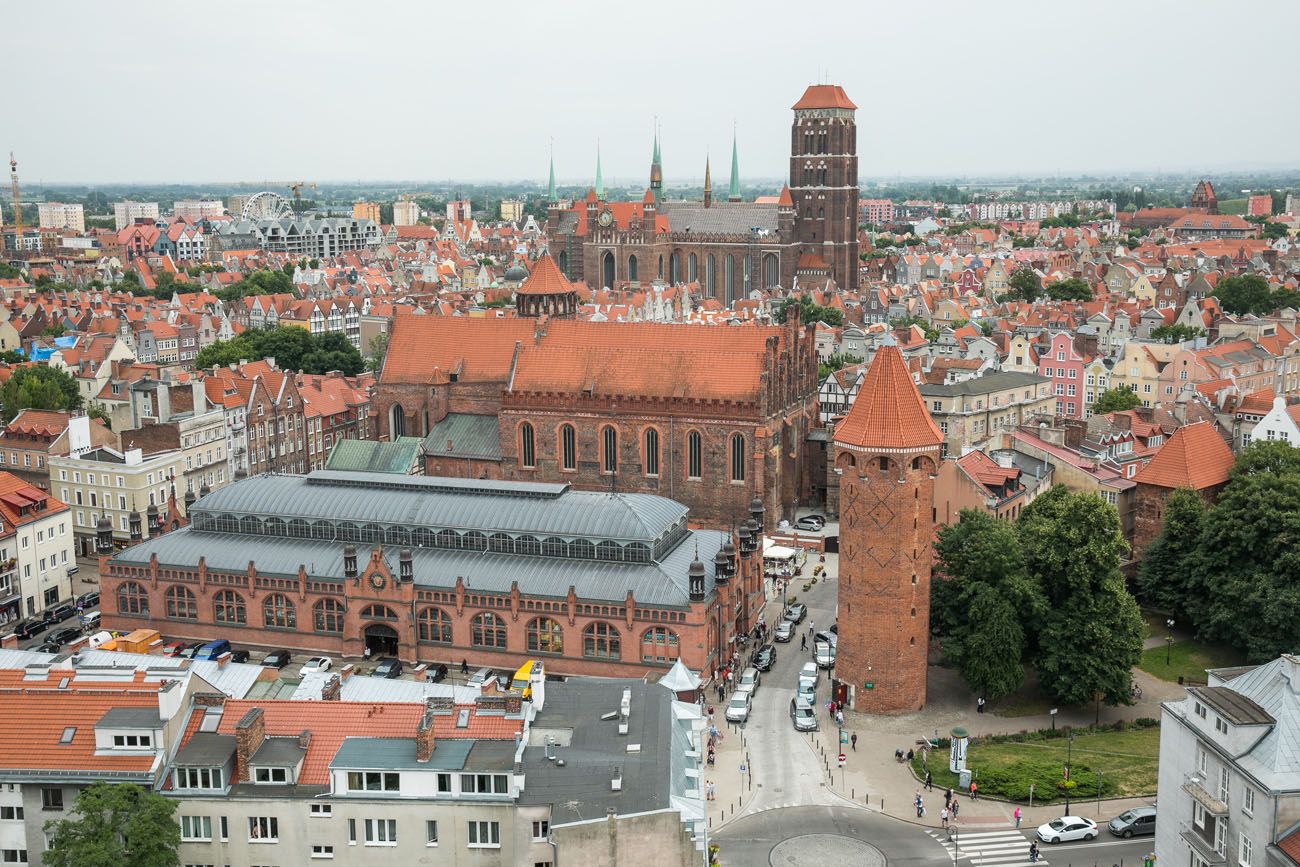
(546, 279)
(888, 413)
(1195, 457)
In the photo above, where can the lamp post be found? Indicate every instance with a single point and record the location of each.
(1069, 751)
(1169, 640)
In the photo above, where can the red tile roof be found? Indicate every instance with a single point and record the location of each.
(888, 413)
(1290, 846)
(1195, 457)
(546, 279)
(824, 96)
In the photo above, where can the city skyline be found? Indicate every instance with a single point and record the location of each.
(1036, 94)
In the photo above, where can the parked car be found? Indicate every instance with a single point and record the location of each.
(824, 650)
(812, 523)
(802, 715)
(25, 629)
(88, 600)
(807, 692)
(317, 663)
(784, 631)
(276, 659)
(47, 647)
(1134, 823)
(796, 612)
(765, 658)
(1067, 828)
(389, 668)
(481, 677)
(90, 621)
(738, 708)
(191, 651)
(809, 673)
(59, 613)
(239, 656)
(436, 672)
(174, 648)
(749, 679)
(63, 636)
(213, 649)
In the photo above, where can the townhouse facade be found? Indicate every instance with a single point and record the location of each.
(40, 573)
(1064, 366)
(971, 412)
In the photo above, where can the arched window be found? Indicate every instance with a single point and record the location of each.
(435, 625)
(709, 275)
(692, 268)
(737, 458)
(132, 599)
(397, 536)
(527, 445)
(729, 278)
(545, 636)
(651, 452)
(327, 614)
(487, 630)
(661, 266)
(278, 612)
(609, 443)
(771, 274)
(378, 612)
(581, 549)
(396, 421)
(228, 607)
(694, 455)
(631, 267)
(601, 641)
(658, 644)
(568, 447)
(181, 604)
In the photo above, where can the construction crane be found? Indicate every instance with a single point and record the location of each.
(297, 189)
(18, 204)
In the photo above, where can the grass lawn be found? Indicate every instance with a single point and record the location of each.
(1123, 763)
(1187, 659)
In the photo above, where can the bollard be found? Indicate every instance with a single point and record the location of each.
(853, 794)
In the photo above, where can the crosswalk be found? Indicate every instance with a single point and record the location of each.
(1007, 848)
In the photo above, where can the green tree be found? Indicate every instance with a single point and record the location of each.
(54, 329)
(1273, 231)
(809, 312)
(9, 272)
(1023, 284)
(292, 348)
(97, 411)
(1091, 632)
(113, 824)
(1245, 293)
(1070, 289)
(222, 353)
(39, 386)
(12, 356)
(1116, 399)
(263, 282)
(375, 351)
(1176, 333)
(1165, 575)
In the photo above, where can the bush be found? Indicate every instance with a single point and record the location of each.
(1044, 775)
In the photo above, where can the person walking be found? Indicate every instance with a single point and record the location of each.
(1033, 852)
(943, 817)
(1017, 815)
(974, 793)
(854, 741)
(979, 705)
(803, 642)
(711, 790)
(947, 796)
(929, 781)
(956, 808)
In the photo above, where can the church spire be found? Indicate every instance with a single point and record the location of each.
(600, 183)
(708, 183)
(656, 169)
(733, 194)
(550, 191)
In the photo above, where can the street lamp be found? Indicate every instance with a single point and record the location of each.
(1069, 751)
(1169, 640)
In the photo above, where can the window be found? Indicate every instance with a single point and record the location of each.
(444, 784)
(197, 778)
(278, 611)
(383, 612)
(651, 452)
(545, 636)
(1220, 726)
(430, 832)
(609, 447)
(228, 607)
(694, 455)
(52, 799)
(321, 810)
(196, 827)
(133, 741)
(435, 625)
(1200, 710)
(1245, 851)
(541, 830)
(527, 445)
(658, 644)
(270, 775)
(132, 599)
(322, 851)
(1201, 761)
(263, 829)
(327, 615)
(181, 604)
(13, 856)
(487, 630)
(373, 781)
(484, 784)
(484, 835)
(11, 813)
(568, 447)
(737, 458)
(1223, 784)
(601, 641)
(381, 832)
(1247, 801)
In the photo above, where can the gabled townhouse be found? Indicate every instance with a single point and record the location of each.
(1063, 366)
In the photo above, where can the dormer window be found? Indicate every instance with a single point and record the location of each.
(133, 742)
(197, 778)
(373, 781)
(268, 776)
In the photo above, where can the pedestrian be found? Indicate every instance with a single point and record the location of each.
(710, 790)
(1033, 852)
(464, 667)
(943, 817)
(803, 642)
(920, 808)
(947, 796)
(956, 808)
(854, 741)
(839, 718)
(979, 705)
(929, 781)
(973, 790)
(910, 755)
(1017, 815)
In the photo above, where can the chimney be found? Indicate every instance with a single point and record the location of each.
(424, 739)
(333, 689)
(249, 734)
(406, 568)
(304, 739)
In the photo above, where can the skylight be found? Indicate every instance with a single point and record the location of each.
(68, 733)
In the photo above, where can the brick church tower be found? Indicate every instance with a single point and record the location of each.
(887, 456)
(824, 180)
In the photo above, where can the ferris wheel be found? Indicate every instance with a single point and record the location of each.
(266, 205)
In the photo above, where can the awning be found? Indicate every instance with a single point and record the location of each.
(778, 552)
(1212, 805)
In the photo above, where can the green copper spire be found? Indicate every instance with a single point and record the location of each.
(656, 169)
(733, 194)
(600, 183)
(550, 192)
(656, 159)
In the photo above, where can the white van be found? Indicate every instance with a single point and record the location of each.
(99, 639)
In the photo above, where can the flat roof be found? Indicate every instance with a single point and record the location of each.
(206, 749)
(1232, 705)
(398, 754)
(131, 718)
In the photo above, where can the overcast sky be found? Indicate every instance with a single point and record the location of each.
(231, 90)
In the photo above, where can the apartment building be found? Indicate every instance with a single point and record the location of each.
(126, 213)
(406, 213)
(265, 417)
(168, 416)
(58, 215)
(192, 210)
(971, 412)
(512, 210)
(40, 574)
(318, 238)
(34, 434)
(366, 211)
(335, 408)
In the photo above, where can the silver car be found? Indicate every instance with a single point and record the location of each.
(784, 631)
(807, 693)
(802, 715)
(738, 709)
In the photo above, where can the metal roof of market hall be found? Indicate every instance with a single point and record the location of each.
(449, 503)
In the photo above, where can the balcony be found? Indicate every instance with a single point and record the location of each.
(1203, 848)
(1195, 786)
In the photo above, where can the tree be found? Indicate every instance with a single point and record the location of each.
(9, 272)
(1164, 578)
(1176, 333)
(112, 824)
(1024, 284)
(39, 386)
(375, 351)
(1091, 631)
(1273, 231)
(54, 329)
(1245, 293)
(1115, 400)
(809, 312)
(97, 411)
(264, 282)
(1070, 289)
(292, 348)
(12, 356)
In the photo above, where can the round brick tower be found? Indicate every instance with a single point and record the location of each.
(887, 452)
